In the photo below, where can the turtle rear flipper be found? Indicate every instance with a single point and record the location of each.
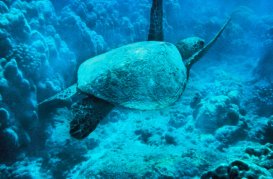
(87, 114)
(61, 99)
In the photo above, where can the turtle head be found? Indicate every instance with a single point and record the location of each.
(189, 46)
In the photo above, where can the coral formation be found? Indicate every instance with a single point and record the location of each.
(216, 112)
(237, 169)
(263, 99)
(4, 118)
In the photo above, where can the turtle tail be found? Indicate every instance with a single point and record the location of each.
(198, 55)
(87, 114)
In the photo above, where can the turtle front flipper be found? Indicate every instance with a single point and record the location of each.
(87, 114)
(156, 21)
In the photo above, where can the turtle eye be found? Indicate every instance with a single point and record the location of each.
(201, 43)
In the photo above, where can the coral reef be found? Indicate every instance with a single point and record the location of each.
(23, 169)
(263, 99)
(216, 112)
(262, 155)
(221, 127)
(237, 169)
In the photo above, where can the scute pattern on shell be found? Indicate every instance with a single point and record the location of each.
(135, 75)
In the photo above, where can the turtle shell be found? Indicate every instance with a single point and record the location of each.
(144, 75)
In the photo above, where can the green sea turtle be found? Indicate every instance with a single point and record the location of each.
(144, 75)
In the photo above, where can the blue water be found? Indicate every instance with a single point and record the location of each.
(220, 127)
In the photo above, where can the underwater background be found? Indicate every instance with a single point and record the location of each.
(222, 125)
